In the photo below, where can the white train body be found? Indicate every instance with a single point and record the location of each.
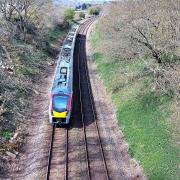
(62, 88)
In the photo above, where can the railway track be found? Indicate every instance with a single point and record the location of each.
(87, 105)
(95, 168)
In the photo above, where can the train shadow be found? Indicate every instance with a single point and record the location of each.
(80, 99)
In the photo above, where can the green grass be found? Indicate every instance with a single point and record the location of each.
(57, 32)
(147, 134)
(6, 134)
(142, 114)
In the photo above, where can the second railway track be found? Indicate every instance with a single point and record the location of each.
(84, 116)
(97, 167)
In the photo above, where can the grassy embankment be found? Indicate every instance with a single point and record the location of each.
(143, 114)
(29, 61)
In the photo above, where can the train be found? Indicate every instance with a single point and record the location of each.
(61, 94)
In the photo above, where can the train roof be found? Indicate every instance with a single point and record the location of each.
(64, 71)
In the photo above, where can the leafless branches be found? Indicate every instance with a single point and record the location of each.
(20, 13)
(145, 26)
(145, 29)
(15, 12)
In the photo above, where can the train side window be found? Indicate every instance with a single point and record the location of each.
(63, 70)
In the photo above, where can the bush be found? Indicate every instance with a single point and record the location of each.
(82, 15)
(69, 15)
(94, 10)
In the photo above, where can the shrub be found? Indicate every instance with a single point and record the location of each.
(94, 10)
(69, 15)
(82, 15)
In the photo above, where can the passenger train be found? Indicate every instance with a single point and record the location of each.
(62, 88)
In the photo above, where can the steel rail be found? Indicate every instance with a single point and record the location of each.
(94, 114)
(84, 24)
(66, 157)
(92, 102)
(83, 27)
(82, 116)
(50, 154)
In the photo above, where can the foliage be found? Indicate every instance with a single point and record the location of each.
(55, 33)
(19, 14)
(6, 134)
(145, 30)
(151, 27)
(84, 6)
(95, 10)
(69, 15)
(82, 15)
(27, 29)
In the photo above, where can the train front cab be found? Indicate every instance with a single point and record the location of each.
(60, 109)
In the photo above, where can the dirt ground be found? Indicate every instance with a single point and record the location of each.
(31, 163)
(32, 160)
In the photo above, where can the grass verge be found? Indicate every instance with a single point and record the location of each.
(143, 114)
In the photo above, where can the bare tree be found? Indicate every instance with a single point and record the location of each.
(19, 13)
(148, 30)
(143, 27)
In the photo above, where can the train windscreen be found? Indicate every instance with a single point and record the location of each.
(60, 103)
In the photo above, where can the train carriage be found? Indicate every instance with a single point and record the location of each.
(62, 88)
